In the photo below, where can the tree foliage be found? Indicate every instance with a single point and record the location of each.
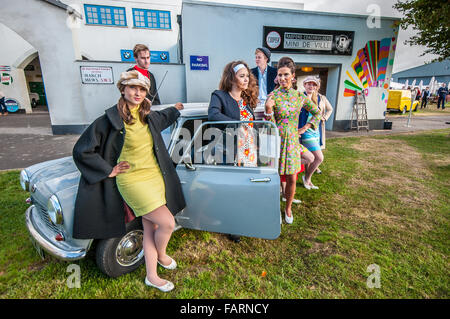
(431, 20)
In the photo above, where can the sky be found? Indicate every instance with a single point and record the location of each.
(406, 56)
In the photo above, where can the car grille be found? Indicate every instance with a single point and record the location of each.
(43, 215)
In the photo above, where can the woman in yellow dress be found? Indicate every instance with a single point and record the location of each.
(125, 146)
(142, 184)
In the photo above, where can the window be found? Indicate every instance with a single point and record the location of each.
(153, 19)
(103, 15)
(239, 144)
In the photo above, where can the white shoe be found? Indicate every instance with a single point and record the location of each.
(288, 219)
(304, 183)
(295, 201)
(314, 186)
(168, 286)
(171, 266)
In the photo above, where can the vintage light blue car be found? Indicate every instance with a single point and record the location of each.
(231, 199)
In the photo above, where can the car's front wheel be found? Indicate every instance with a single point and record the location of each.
(118, 256)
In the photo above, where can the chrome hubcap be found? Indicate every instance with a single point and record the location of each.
(130, 249)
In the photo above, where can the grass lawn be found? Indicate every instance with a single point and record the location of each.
(382, 200)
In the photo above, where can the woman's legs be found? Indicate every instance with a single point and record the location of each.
(158, 228)
(283, 189)
(307, 158)
(311, 168)
(291, 184)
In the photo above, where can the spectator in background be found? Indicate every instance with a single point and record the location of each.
(442, 93)
(264, 74)
(425, 95)
(2, 104)
(312, 139)
(141, 54)
(418, 93)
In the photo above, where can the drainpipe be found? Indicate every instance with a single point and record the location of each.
(180, 39)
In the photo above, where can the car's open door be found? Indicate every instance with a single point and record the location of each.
(224, 191)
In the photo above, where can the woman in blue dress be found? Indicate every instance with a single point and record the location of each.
(314, 138)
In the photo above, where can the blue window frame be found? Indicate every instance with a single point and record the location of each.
(153, 19)
(105, 15)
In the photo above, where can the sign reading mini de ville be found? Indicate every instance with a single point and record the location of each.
(308, 41)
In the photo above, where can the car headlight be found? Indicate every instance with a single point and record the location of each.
(24, 180)
(55, 210)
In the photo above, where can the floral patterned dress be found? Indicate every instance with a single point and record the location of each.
(246, 138)
(286, 112)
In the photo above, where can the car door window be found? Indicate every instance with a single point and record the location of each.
(240, 144)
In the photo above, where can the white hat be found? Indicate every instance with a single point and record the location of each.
(311, 78)
(134, 77)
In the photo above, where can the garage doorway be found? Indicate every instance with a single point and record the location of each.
(329, 79)
(35, 84)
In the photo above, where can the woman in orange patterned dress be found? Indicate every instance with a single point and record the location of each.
(235, 101)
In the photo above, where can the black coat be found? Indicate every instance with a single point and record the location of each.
(222, 107)
(271, 75)
(99, 207)
(152, 92)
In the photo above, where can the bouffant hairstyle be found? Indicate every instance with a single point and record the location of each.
(287, 62)
(124, 109)
(250, 95)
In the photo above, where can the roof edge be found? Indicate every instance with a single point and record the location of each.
(221, 4)
(68, 8)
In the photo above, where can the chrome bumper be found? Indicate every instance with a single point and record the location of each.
(64, 252)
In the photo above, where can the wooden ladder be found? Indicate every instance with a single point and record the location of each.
(359, 114)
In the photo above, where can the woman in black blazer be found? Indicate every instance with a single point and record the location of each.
(235, 87)
(234, 101)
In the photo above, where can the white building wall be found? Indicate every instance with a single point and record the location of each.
(99, 97)
(99, 42)
(226, 33)
(44, 27)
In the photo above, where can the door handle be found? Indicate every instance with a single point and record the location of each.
(260, 180)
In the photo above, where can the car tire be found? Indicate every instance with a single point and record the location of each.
(118, 256)
(33, 103)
